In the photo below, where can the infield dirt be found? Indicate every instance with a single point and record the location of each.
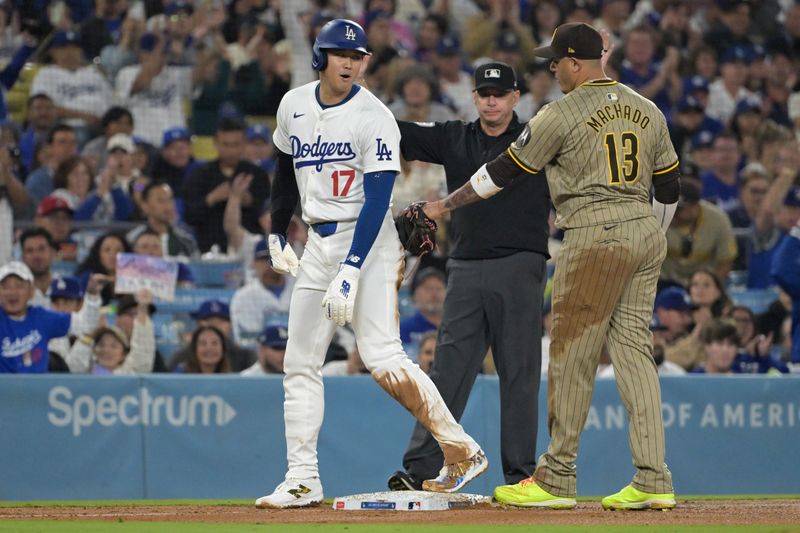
(708, 512)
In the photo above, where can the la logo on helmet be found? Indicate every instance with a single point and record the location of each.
(349, 34)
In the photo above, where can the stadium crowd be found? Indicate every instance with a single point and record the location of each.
(144, 127)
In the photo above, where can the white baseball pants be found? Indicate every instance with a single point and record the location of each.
(377, 331)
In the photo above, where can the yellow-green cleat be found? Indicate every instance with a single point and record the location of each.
(527, 493)
(630, 498)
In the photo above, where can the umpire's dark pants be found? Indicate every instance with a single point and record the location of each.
(497, 303)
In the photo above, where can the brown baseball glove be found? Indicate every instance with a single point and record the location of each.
(417, 232)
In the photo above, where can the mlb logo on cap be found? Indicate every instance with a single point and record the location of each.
(497, 75)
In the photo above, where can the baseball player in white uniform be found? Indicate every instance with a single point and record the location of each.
(338, 153)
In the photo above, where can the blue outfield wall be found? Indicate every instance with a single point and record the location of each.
(89, 437)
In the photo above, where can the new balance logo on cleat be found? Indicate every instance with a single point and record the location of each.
(293, 493)
(299, 491)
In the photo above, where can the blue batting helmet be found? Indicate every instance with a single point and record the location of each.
(341, 34)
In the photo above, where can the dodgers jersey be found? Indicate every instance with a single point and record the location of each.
(23, 343)
(332, 147)
(82, 90)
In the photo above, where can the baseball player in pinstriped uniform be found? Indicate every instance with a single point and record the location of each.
(338, 153)
(603, 146)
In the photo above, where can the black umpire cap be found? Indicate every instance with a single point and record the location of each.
(496, 75)
(575, 39)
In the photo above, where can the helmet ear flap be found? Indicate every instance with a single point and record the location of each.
(319, 59)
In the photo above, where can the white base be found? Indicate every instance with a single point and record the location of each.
(411, 500)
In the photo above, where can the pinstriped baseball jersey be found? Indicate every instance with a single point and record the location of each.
(601, 145)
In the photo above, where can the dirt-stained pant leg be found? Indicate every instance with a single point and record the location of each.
(595, 266)
(377, 331)
(630, 344)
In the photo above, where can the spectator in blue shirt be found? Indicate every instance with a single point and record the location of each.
(62, 143)
(786, 273)
(657, 80)
(427, 291)
(721, 182)
(26, 330)
(41, 118)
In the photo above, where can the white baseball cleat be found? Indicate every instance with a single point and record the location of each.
(293, 493)
(454, 476)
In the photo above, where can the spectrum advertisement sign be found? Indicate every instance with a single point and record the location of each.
(165, 436)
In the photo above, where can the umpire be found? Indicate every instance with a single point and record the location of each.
(496, 278)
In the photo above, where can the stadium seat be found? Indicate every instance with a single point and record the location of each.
(203, 148)
(17, 96)
(210, 274)
(188, 300)
(63, 268)
(757, 300)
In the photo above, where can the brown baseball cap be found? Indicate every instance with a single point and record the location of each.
(574, 39)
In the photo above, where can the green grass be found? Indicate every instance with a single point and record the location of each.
(110, 503)
(172, 527)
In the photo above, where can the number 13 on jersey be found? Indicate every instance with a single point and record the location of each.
(630, 157)
(342, 180)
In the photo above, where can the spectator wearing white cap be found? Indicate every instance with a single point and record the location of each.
(110, 200)
(116, 120)
(25, 329)
(153, 91)
(267, 295)
(270, 350)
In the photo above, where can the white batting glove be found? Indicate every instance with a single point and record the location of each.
(281, 256)
(340, 298)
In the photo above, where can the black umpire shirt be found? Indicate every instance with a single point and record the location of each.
(513, 220)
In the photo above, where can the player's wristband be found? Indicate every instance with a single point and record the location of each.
(483, 184)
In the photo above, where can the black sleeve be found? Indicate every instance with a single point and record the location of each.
(422, 143)
(195, 189)
(667, 186)
(284, 194)
(503, 170)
